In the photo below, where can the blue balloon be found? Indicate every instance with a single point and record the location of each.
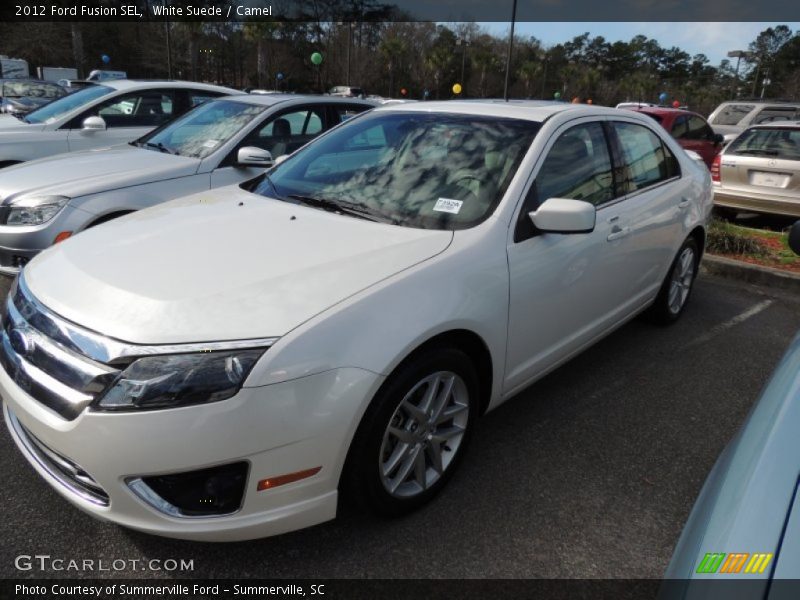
(663, 96)
(279, 76)
(106, 58)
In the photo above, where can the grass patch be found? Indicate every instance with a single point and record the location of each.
(757, 246)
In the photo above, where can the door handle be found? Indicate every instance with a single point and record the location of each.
(684, 203)
(618, 232)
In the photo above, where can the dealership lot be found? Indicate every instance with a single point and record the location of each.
(589, 473)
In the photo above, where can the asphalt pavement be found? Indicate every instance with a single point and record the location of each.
(590, 473)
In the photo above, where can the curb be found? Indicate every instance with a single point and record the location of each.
(755, 274)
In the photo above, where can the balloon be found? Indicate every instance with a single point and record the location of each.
(456, 88)
(663, 97)
(105, 58)
(589, 101)
(279, 76)
(676, 104)
(557, 95)
(403, 92)
(575, 100)
(316, 58)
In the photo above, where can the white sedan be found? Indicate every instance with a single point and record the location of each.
(223, 366)
(98, 116)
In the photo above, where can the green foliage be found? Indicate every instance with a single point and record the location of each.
(725, 238)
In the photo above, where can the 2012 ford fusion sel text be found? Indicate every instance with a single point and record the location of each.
(377, 292)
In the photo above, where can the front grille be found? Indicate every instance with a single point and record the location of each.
(63, 470)
(45, 361)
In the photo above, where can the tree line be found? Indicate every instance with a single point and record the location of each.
(411, 58)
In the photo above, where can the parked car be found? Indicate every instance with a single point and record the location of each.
(224, 141)
(760, 171)
(745, 524)
(690, 129)
(378, 290)
(21, 96)
(731, 118)
(98, 116)
(346, 91)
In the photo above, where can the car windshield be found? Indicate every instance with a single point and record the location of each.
(731, 114)
(425, 170)
(31, 89)
(52, 111)
(202, 130)
(778, 142)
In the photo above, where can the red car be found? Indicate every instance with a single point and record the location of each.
(690, 129)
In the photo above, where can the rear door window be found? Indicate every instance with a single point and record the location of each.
(647, 160)
(731, 114)
(771, 114)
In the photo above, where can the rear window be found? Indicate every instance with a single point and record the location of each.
(783, 143)
(731, 114)
(775, 113)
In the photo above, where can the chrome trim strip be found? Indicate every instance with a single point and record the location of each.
(35, 452)
(104, 349)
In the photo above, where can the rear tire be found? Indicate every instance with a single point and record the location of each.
(414, 433)
(677, 286)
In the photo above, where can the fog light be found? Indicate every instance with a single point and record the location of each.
(207, 492)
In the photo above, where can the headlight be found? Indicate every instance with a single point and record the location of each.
(35, 210)
(179, 380)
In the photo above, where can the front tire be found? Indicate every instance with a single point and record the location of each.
(414, 433)
(677, 286)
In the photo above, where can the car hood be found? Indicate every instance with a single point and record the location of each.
(81, 173)
(219, 265)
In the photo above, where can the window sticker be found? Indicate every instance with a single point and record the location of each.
(447, 205)
(210, 143)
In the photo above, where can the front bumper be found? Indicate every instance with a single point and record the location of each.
(278, 429)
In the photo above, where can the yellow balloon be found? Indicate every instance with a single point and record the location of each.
(456, 88)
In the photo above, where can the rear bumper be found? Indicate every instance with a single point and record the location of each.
(753, 201)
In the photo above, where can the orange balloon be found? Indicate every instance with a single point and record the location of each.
(589, 101)
(575, 100)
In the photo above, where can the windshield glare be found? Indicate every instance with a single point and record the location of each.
(433, 171)
(204, 129)
(50, 112)
(783, 143)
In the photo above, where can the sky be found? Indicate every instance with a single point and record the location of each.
(712, 39)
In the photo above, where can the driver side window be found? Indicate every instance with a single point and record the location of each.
(147, 108)
(578, 166)
(286, 132)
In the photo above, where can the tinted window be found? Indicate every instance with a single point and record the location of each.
(731, 114)
(344, 112)
(147, 108)
(698, 129)
(578, 166)
(286, 132)
(781, 143)
(680, 127)
(647, 160)
(428, 170)
(31, 89)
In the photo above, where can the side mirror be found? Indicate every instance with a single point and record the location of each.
(251, 156)
(718, 138)
(94, 124)
(794, 238)
(563, 215)
(281, 158)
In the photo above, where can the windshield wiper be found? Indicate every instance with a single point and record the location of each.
(343, 207)
(161, 147)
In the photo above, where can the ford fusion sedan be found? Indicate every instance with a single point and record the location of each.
(223, 141)
(745, 525)
(760, 171)
(379, 290)
(98, 116)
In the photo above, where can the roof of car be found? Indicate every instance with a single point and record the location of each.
(532, 110)
(660, 110)
(270, 99)
(136, 84)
